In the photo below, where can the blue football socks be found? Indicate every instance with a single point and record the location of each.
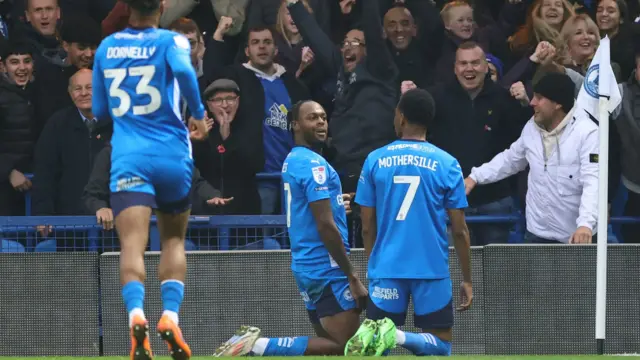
(286, 346)
(172, 293)
(426, 344)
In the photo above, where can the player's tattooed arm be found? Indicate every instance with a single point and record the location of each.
(330, 235)
(369, 228)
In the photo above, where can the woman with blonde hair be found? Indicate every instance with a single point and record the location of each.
(577, 44)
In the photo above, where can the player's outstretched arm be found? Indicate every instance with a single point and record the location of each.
(369, 228)
(463, 249)
(330, 235)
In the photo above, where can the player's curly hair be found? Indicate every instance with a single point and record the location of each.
(294, 113)
(144, 7)
(418, 107)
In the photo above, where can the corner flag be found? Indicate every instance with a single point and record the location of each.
(599, 97)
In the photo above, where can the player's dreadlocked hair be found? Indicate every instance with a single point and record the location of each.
(144, 7)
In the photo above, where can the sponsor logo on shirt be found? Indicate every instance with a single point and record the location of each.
(278, 117)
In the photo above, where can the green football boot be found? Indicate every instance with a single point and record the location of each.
(385, 338)
(361, 343)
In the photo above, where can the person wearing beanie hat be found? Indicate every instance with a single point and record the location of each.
(496, 67)
(560, 146)
(558, 88)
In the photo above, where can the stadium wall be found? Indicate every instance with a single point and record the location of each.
(528, 299)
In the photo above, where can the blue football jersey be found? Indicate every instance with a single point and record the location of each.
(138, 76)
(411, 184)
(308, 177)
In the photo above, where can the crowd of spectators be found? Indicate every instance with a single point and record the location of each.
(256, 58)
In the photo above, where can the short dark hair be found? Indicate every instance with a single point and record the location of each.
(294, 113)
(256, 29)
(16, 47)
(418, 107)
(144, 7)
(81, 30)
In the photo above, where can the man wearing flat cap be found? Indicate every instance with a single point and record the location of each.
(560, 146)
(227, 159)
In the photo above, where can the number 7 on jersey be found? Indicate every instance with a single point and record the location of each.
(413, 182)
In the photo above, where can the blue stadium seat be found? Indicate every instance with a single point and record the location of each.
(189, 245)
(10, 246)
(265, 244)
(48, 245)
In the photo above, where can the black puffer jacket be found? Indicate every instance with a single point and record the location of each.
(17, 135)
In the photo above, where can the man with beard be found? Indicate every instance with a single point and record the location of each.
(362, 118)
(316, 218)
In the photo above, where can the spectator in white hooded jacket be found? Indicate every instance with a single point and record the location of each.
(561, 148)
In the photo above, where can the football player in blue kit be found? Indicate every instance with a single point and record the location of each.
(316, 218)
(138, 77)
(405, 191)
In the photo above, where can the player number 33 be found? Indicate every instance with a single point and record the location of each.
(143, 88)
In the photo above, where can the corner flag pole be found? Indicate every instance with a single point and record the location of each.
(600, 84)
(603, 186)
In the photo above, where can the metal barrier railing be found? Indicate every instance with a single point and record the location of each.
(83, 233)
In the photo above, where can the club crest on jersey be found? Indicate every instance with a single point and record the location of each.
(319, 174)
(347, 295)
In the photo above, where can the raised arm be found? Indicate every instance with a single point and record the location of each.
(327, 54)
(379, 60)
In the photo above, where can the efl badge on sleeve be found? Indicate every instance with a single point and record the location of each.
(182, 42)
(319, 174)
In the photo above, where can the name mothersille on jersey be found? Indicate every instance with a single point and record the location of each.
(408, 160)
(130, 52)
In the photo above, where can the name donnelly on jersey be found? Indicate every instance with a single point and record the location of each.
(407, 160)
(131, 52)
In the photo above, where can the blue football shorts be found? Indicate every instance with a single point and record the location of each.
(325, 292)
(432, 301)
(162, 183)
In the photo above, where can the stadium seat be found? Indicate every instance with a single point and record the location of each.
(10, 246)
(46, 246)
(189, 245)
(265, 244)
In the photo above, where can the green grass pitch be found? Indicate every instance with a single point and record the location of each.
(458, 357)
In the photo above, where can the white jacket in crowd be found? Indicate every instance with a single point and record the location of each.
(563, 178)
